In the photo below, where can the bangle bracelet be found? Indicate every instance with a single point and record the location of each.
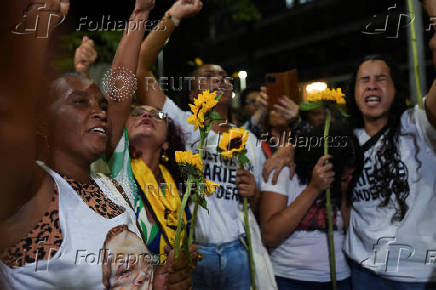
(175, 20)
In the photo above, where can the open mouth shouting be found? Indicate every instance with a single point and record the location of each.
(372, 100)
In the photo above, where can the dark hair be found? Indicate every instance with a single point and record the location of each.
(343, 146)
(388, 176)
(176, 143)
(195, 75)
(399, 103)
(244, 94)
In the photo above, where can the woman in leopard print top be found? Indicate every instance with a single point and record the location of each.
(51, 241)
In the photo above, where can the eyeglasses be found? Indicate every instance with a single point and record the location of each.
(158, 115)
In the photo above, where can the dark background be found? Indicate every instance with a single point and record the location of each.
(323, 39)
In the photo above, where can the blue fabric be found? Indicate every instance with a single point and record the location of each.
(290, 284)
(154, 245)
(364, 279)
(224, 266)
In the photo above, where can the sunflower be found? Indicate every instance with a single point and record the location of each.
(233, 141)
(314, 97)
(335, 95)
(210, 187)
(186, 157)
(202, 105)
(198, 61)
(339, 97)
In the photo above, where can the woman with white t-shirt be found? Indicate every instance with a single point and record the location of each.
(77, 230)
(392, 235)
(293, 213)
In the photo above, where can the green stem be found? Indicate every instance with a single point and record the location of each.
(250, 248)
(193, 220)
(201, 147)
(329, 207)
(248, 233)
(180, 219)
(415, 54)
(194, 214)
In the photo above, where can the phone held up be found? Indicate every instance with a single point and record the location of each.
(282, 84)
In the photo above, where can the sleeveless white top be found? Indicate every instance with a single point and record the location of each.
(80, 260)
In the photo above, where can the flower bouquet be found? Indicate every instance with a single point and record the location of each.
(191, 164)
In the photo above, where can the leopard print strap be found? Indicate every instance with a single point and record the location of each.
(94, 197)
(41, 243)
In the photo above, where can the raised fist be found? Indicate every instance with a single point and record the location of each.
(144, 5)
(185, 8)
(85, 55)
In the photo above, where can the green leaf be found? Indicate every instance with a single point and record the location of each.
(243, 158)
(214, 116)
(207, 129)
(307, 106)
(342, 111)
(218, 97)
(203, 203)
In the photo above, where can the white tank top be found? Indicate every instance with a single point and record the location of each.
(80, 261)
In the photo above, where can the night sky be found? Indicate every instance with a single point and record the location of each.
(322, 39)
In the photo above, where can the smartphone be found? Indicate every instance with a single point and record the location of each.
(282, 84)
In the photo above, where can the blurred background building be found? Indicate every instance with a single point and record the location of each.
(323, 39)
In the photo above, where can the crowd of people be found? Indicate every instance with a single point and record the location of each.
(91, 190)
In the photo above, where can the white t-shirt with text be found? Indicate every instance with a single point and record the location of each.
(406, 250)
(222, 224)
(304, 255)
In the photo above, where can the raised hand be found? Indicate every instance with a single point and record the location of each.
(40, 17)
(145, 5)
(61, 6)
(287, 108)
(263, 98)
(185, 8)
(85, 55)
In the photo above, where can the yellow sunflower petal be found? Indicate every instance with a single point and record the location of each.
(227, 154)
(193, 120)
(340, 101)
(235, 134)
(210, 187)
